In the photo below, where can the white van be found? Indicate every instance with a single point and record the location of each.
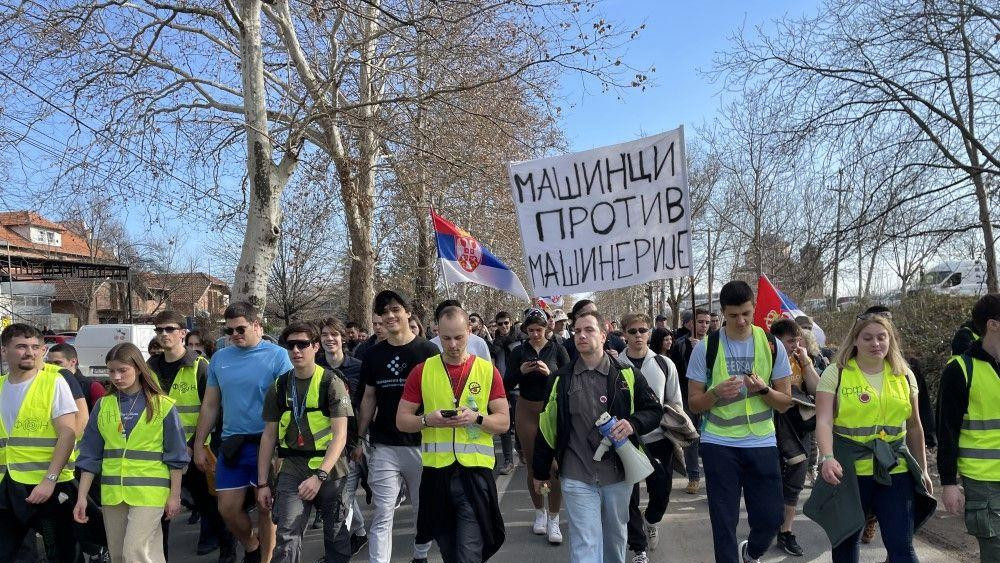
(94, 341)
(956, 277)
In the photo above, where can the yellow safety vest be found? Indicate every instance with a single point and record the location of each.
(864, 415)
(744, 415)
(441, 447)
(317, 433)
(979, 439)
(184, 392)
(26, 450)
(132, 469)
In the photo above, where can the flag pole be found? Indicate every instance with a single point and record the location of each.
(444, 276)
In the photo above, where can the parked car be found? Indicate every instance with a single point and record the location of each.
(61, 338)
(94, 341)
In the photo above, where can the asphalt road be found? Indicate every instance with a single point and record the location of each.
(685, 535)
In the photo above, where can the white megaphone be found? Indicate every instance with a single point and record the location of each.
(637, 465)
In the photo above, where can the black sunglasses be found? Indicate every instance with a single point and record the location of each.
(635, 331)
(238, 330)
(166, 329)
(297, 344)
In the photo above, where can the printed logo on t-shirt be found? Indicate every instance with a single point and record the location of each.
(396, 366)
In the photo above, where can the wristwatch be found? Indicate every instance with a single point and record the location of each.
(423, 421)
(52, 477)
(764, 391)
(322, 475)
(479, 420)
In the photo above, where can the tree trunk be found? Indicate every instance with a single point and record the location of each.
(982, 199)
(260, 242)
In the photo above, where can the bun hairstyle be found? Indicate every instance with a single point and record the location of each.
(128, 353)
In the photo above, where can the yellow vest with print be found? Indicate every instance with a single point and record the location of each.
(316, 434)
(979, 439)
(26, 450)
(744, 415)
(864, 415)
(184, 392)
(132, 468)
(441, 447)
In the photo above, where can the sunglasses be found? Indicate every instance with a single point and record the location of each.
(238, 330)
(297, 344)
(503, 323)
(635, 331)
(166, 329)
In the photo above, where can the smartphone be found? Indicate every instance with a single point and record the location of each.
(449, 413)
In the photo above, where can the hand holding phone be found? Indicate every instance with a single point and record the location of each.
(449, 413)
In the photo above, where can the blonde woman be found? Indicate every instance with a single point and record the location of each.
(871, 445)
(135, 442)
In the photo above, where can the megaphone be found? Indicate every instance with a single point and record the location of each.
(637, 465)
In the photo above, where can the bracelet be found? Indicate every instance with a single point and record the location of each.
(713, 393)
(264, 485)
(826, 457)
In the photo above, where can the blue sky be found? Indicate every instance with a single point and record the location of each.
(680, 39)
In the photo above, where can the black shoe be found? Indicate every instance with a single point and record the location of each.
(358, 543)
(207, 545)
(786, 541)
(252, 556)
(421, 560)
(227, 550)
(317, 522)
(194, 517)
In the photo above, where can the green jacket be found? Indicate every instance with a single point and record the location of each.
(837, 508)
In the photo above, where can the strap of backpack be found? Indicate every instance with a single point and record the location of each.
(711, 352)
(967, 360)
(773, 343)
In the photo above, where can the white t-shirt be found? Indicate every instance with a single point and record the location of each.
(476, 346)
(12, 395)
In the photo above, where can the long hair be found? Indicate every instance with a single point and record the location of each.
(128, 353)
(895, 358)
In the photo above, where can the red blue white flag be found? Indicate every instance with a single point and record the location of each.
(464, 259)
(772, 305)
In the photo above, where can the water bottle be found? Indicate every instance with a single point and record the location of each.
(473, 429)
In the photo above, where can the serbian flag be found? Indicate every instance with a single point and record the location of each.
(463, 259)
(551, 302)
(772, 305)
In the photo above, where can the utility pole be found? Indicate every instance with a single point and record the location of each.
(711, 271)
(836, 244)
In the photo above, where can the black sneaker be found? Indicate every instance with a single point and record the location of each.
(252, 556)
(318, 521)
(419, 560)
(358, 543)
(786, 541)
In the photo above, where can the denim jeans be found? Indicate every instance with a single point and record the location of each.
(388, 468)
(893, 508)
(291, 515)
(754, 473)
(598, 515)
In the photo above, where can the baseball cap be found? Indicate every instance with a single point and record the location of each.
(384, 297)
(560, 315)
(661, 318)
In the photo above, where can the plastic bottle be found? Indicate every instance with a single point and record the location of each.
(473, 429)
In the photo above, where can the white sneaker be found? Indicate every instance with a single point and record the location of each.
(640, 557)
(743, 553)
(555, 534)
(541, 520)
(652, 535)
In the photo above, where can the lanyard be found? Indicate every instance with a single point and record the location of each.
(298, 407)
(462, 379)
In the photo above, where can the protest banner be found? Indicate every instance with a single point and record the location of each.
(606, 218)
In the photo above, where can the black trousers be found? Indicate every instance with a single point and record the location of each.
(659, 485)
(17, 518)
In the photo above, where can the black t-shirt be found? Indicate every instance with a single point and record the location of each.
(534, 386)
(75, 384)
(385, 368)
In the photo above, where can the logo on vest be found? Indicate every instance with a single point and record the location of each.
(183, 387)
(475, 388)
(864, 397)
(29, 424)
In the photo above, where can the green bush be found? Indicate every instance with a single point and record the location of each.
(926, 323)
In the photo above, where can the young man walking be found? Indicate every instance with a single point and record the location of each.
(239, 377)
(305, 414)
(661, 375)
(395, 454)
(37, 435)
(737, 378)
(458, 496)
(595, 493)
(696, 325)
(969, 432)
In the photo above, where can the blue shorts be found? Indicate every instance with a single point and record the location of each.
(241, 475)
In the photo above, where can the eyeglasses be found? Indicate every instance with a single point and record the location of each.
(635, 331)
(297, 344)
(166, 329)
(242, 329)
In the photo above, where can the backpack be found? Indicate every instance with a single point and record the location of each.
(712, 351)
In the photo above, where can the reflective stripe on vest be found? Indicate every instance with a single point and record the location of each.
(864, 415)
(26, 450)
(318, 433)
(184, 392)
(441, 447)
(979, 438)
(742, 416)
(132, 468)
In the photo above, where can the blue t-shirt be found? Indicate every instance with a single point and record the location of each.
(243, 376)
(739, 360)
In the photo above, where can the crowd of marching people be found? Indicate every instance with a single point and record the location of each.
(262, 438)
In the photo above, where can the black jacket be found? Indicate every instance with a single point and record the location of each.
(964, 337)
(953, 402)
(644, 419)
